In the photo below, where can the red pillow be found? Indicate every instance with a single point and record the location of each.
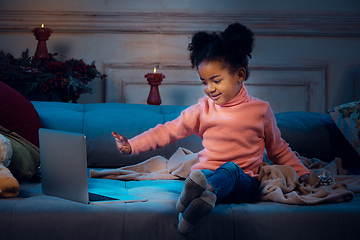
(17, 114)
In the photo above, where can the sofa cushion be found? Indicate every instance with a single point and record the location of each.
(126, 119)
(18, 114)
(308, 133)
(61, 116)
(34, 215)
(268, 220)
(315, 135)
(24, 160)
(347, 119)
(39, 216)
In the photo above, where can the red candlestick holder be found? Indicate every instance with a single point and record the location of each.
(154, 80)
(42, 35)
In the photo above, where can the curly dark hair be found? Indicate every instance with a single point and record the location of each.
(232, 47)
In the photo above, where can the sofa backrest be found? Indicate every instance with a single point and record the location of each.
(310, 134)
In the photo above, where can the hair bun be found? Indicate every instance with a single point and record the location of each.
(199, 43)
(201, 39)
(238, 38)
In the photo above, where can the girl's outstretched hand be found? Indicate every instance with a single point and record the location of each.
(122, 143)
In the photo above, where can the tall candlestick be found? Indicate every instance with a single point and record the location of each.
(42, 35)
(154, 80)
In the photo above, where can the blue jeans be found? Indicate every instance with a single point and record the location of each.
(231, 184)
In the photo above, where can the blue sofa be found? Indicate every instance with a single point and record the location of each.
(33, 215)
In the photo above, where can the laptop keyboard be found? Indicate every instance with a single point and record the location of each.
(93, 197)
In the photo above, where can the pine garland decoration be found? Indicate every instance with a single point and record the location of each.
(47, 76)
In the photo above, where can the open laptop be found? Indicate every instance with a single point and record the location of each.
(64, 170)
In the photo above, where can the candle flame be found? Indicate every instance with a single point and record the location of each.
(154, 70)
(42, 25)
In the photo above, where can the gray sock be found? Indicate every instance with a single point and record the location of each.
(198, 208)
(195, 184)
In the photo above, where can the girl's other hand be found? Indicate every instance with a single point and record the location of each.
(306, 178)
(122, 143)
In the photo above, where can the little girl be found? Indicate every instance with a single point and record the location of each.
(235, 129)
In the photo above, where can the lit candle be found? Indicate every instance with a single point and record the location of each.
(42, 35)
(154, 80)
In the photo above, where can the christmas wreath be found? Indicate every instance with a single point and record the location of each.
(48, 76)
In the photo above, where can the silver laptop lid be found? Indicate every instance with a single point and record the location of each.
(63, 164)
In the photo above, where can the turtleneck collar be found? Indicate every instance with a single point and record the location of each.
(241, 97)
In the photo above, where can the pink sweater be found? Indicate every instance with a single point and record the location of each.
(237, 131)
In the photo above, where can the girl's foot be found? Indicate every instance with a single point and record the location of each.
(198, 208)
(195, 184)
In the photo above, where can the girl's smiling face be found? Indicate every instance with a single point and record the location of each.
(219, 84)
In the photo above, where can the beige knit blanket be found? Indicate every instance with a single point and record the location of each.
(158, 167)
(278, 183)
